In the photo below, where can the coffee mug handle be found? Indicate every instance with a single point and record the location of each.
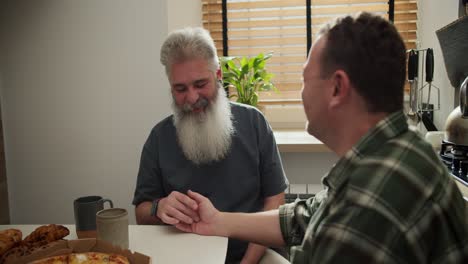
(110, 202)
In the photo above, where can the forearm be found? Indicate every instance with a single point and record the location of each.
(262, 228)
(255, 251)
(143, 214)
(253, 254)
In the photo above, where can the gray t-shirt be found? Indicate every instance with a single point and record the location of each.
(251, 171)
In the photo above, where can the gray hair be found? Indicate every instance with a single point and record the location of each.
(187, 44)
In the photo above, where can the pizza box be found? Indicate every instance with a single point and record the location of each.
(80, 246)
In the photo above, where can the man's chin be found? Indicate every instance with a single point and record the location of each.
(308, 128)
(196, 116)
(307, 125)
(194, 112)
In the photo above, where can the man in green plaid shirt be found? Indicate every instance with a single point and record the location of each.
(389, 199)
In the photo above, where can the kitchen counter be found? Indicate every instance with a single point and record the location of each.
(462, 185)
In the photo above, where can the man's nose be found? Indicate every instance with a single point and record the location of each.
(192, 96)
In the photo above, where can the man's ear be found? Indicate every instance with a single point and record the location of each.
(341, 88)
(219, 74)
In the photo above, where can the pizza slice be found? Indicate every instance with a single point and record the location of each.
(84, 258)
(97, 258)
(89, 258)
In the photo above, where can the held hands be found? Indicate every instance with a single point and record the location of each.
(210, 218)
(178, 208)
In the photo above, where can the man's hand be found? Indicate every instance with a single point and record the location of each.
(177, 208)
(262, 228)
(209, 221)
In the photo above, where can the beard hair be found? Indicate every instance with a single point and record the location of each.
(206, 136)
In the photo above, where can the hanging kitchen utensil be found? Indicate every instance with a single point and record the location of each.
(425, 108)
(429, 70)
(428, 124)
(413, 61)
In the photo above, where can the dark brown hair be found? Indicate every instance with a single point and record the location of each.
(371, 51)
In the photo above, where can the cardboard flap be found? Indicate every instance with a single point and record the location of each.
(139, 258)
(82, 245)
(52, 249)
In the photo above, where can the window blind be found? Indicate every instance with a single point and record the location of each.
(262, 26)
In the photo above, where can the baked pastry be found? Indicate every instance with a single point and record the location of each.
(40, 238)
(9, 238)
(46, 234)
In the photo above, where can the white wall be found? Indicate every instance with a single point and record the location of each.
(81, 88)
(183, 13)
(433, 15)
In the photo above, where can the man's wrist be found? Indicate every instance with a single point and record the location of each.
(223, 230)
(154, 207)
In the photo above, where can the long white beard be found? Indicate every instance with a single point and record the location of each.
(205, 137)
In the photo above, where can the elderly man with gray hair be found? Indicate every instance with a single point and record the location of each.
(224, 150)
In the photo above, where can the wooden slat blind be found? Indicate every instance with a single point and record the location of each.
(212, 19)
(262, 26)
(406, 18)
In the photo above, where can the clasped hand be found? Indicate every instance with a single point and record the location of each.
(191, 212)
(176, 208)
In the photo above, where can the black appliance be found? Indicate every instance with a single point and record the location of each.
(455, 157)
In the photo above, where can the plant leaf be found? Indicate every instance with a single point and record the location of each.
(248, 76)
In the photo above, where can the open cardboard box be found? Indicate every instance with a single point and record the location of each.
(80, 246)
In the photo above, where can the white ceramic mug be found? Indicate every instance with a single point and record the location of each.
(435, 139)
(112, 226)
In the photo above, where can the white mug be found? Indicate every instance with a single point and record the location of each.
(112, 226)
(435, 139)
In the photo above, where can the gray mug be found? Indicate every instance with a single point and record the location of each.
(112, 226)
(85, 211)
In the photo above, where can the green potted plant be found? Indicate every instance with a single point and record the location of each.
(247, 76)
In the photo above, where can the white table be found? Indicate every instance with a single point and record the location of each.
(164, 244)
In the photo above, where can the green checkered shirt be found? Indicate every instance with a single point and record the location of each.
(388, 200)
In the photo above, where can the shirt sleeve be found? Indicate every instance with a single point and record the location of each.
(273, 178)
(295, 217)
(359, 235)
(149, 182)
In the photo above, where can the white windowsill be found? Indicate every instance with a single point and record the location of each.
(288, 123)
(293, 140)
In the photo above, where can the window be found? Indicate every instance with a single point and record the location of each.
(287, 28)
